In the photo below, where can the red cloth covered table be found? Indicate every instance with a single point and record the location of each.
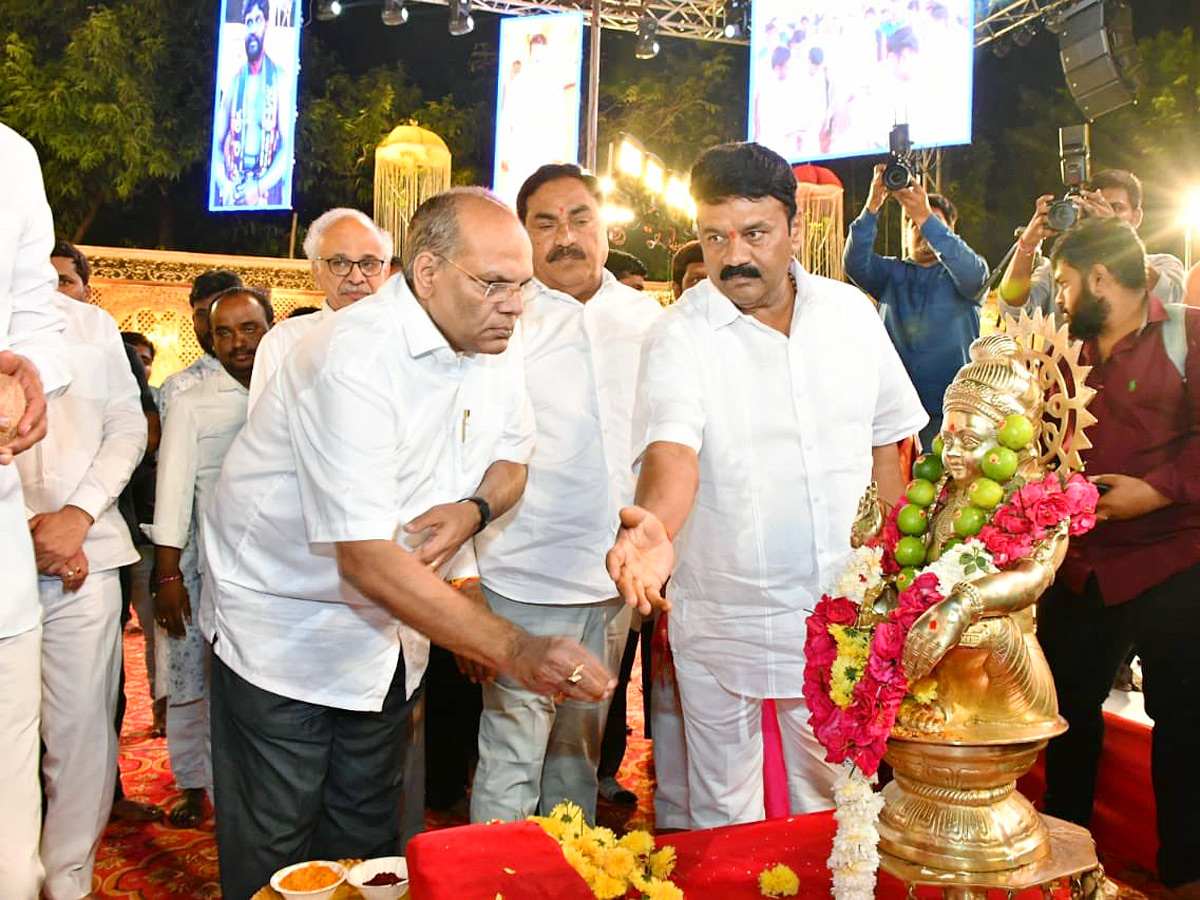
(470, 863)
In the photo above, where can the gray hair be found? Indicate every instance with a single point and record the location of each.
(434, 227)
(312, 240)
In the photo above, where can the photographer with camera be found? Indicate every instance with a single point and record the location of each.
(1113, 193)
(927, 301)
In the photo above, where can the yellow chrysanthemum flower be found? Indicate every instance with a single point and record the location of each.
(924, 691)
(778, 881)
(603, 836)
(662, 862)
(639, 842)
(618, 862)
(662, 890)
(605, 887)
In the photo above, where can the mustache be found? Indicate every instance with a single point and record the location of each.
(743, 271)
(568, 251)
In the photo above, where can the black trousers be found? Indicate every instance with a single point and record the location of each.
(1085, 643)
(297, 781)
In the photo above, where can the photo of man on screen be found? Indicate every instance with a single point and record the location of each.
(252, 156)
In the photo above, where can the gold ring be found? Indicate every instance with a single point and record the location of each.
(576, 675)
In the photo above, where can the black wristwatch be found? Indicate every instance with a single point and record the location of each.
(485, 511)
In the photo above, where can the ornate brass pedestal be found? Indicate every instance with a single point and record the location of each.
(954, 818)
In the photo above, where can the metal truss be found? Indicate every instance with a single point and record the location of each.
(1010, 17)
(704, 19)
(696, 19)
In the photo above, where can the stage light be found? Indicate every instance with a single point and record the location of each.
(678, 196)
(655, 174)
(460, 18)
(737, 18)
(328, 10)
(631, 158)
(647, 43)
(1189, 218)
(606, 185)
(617, 215)
(394, 12)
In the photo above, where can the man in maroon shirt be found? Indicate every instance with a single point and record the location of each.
(1135, 580)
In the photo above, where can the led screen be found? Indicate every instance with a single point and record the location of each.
(537, 97)
(254, 110)
(829, 78)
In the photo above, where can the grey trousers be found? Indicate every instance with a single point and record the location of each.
(533, 752)
(297, 781)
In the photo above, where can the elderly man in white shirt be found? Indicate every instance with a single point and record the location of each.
(31, 351)
(325, 592)
(72, 480)
(350, 258)
(542, 564)
(204, 421)
(206, 286)
(768, 400)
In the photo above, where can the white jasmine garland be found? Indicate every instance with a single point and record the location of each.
(968, 561)
(863, 573)
(854, 861)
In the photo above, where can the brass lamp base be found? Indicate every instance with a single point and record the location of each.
(1070, 853)
(955, 807)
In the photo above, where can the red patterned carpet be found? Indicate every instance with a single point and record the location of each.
(159, 862)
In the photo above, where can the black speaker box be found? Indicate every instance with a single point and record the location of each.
(1099, 55)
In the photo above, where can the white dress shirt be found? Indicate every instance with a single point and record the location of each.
(371, 420)
(204, 421)
(96, 437)
(784, 427)
(31, 325)
(581, 363)
(275, 346)
(205, 367)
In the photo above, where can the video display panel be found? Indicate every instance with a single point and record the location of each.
(254, 107)
(537, 97)
(829, 78)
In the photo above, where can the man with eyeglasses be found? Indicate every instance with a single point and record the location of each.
(388, 438)
(351, 258)
(542, 565)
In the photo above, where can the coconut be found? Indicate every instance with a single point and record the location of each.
(12, 407)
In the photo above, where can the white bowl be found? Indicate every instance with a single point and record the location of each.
(368, 869)
(324, 893)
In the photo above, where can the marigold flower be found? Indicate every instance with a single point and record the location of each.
(639, 842)
(778, 881)
(662, 862)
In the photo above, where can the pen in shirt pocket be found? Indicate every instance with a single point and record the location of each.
(465, 416)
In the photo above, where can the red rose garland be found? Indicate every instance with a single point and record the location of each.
(860, 731)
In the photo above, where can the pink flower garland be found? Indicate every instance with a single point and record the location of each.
(860, 731)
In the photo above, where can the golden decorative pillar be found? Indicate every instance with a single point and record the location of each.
(411, 165)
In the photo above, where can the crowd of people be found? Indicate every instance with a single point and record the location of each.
(433, 520)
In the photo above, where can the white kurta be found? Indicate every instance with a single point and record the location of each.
(204, 367)
(275, 346)
(95, 439)
(371, 420)
(784, 427)
(581, 363)
(31, 325)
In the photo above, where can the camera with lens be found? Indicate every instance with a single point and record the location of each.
(901, 168)
(1075, 158)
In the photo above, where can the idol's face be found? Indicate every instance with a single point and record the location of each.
(967, 437)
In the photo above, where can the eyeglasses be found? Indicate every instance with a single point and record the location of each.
(340, 266)
(495, 291)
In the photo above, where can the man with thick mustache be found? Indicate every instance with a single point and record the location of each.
(768, 399)
(1131, 582)
(250, 153)
(542, 565)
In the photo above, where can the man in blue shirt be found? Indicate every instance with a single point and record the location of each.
(927, 301)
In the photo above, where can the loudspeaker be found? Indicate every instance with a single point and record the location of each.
(1099, 55)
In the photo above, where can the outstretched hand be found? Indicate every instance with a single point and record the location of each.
(641, 560)
(933, 635)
